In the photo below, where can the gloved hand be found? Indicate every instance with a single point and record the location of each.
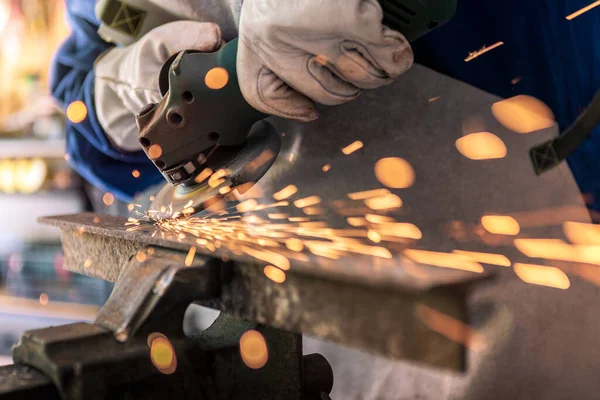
(126, 78)
(293, 53)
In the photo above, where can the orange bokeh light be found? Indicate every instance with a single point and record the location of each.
(253, 349)
(108, 198)
(394, 172)
(481, 146)
(500, 224)
(77, 111)
(216, 78)
(523, 114)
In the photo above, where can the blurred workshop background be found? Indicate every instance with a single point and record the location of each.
(35, 179)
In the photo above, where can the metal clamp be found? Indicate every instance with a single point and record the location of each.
(110, 359)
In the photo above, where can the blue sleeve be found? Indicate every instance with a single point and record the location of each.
(554, 59)
(72, 78)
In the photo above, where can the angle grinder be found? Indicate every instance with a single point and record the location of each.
(207, 140)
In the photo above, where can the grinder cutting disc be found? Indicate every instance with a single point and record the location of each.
(234, 167)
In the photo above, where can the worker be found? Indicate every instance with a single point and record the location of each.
(544, 55)
(292, 54)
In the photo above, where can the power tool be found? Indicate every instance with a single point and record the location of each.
(207, 140)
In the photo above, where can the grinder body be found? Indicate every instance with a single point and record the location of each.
(198, 126)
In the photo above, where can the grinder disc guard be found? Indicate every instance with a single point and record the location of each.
(237, 168)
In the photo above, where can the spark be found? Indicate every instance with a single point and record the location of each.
(108, 198)
(202, 176)
(384, 202)
(274, 274)
(556, 249)
(189, 259)
(443, 260)
(151, 198)
(285, 192)
(307, 201)
(399, 229)
(582, 233)
(277, 216)
(452, 328)
(326, 167)
(248, 205)
(583, 10)
(542, 275)
(264, 157)
(352, 147)
(276, 259)
(516, 80)
(294, 244)
(135, 173)
(87, 263)
(357, 221)
(368, 194)
(218, 178)
(500, 224)
(374, 236)
(485, 258)
(484, 49)
(431, 100)
(96, 220)
(281, 238)
(313, 210)
(378, 219)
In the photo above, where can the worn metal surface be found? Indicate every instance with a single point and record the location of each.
(101, 235)
(19, 382)
(326, 303)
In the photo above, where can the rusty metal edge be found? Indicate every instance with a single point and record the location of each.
(386, 276)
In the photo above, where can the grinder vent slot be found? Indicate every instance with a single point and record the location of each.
(397, 13)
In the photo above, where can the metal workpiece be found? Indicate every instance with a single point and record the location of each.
(335, 303)
(20, 382)
(88, 235)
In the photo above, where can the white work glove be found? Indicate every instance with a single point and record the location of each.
(126, 78)
(293, 53)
